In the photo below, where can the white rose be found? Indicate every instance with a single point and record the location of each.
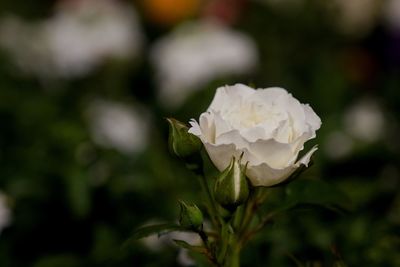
(196, 53)
(117, 125)
(269, 126)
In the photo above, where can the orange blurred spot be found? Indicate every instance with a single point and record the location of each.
(169, 12)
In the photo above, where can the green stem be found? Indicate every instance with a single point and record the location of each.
(210, 203)
(210, 253)
(257, 198)
(235, 256)
(238, 217)
(232, 255)
(248, 212)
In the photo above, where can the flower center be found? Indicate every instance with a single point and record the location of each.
(250, 115)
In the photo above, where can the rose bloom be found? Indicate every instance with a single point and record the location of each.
(118, 125)
(197, 53)
(78, 38)
(269, 126)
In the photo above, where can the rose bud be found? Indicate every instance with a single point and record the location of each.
(181, 142)
(191, 216)
(231, 188)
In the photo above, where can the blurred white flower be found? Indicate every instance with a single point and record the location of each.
(118, 126)
(191, 238)
(356, 17)
(184, 258)
(195, 54)
(5, 213)
(25, 44)
(365, 121)
(75, 40)
(157, 243)
(338, 145)
(392, 13)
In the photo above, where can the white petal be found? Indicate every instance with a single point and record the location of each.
(205, 129)
(232, 137)
(275, 154)
(221, 125)
(253, 134)
(207, 126)
(306, 158)
(283, 133)
(268, 95)
(221, 155)
(195, 129)
(311, 118)
(298, 144)
(226, 95)
(264, 175)
(298, 118)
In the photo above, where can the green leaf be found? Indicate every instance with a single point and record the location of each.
(185, 245)
(159, 229)
(314, 192)
(303, 192)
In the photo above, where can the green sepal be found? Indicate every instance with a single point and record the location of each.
(191, 216)
(231, 188)
(182, 143)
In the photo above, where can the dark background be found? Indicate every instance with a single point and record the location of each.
(74, 200)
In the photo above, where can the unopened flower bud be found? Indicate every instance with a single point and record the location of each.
(231, 188)
(181, 142)
(191, 216)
